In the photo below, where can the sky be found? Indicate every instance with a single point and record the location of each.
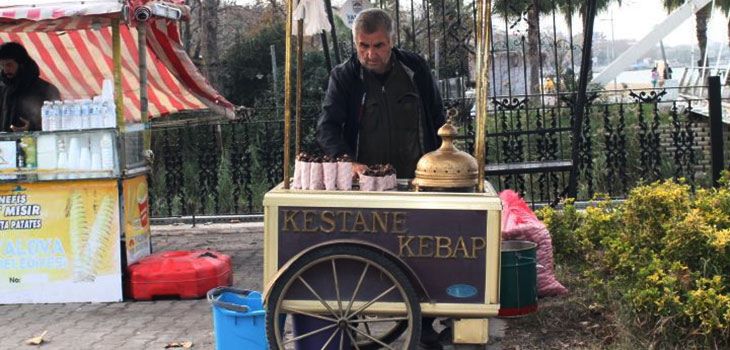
(636, 18)
(632, 20)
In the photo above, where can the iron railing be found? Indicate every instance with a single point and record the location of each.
(225, 167)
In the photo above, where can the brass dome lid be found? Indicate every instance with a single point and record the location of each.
(446, 167)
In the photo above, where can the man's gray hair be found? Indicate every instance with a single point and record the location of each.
(371, 20)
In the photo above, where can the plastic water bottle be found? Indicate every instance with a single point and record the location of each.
(109, 114)
(49, 122)
(56, 116)
(95, 113)
(67, 122)
(45, 112)
(103, 106)
(76, 115)
(85, 114)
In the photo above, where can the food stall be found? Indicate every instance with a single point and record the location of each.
(74, 204)
(359, 266)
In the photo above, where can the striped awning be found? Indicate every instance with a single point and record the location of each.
(72, 45)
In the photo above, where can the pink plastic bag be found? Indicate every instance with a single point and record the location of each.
(520, 223)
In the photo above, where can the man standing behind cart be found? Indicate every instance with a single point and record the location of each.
(382, 107)
(22, 91)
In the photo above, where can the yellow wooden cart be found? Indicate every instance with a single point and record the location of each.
(352, 269)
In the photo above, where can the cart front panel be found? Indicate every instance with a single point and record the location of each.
(446, 249)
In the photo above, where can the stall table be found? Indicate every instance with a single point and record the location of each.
(66, 234)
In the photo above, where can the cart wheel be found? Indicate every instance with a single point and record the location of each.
(354, 296)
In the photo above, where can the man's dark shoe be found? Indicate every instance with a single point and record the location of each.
(430, 339)
(446, 336)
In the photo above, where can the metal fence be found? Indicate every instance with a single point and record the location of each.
(226, 167)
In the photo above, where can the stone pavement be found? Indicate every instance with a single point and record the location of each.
(140, 324)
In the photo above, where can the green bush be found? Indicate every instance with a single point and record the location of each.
(663, 256)
(226, 202)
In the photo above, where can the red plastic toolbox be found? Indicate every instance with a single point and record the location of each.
(186, 274)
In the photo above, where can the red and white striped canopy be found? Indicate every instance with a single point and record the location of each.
(72, 43)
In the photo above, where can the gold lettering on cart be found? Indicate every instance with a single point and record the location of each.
(404, 242)
(424, 243)
(461, 247)
(339, 221)
(380, 221)
(477, 247)
(328, 221)
(443, 244)
(445, 247)
(290, 223)
(334, 221)
(308, 219)
(399, 222)
(343, 219)
(360, 225)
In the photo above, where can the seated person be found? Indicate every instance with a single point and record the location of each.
(22, 91)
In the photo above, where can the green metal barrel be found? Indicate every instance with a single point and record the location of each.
(518, 279)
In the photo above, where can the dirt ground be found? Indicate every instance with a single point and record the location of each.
(570, 321)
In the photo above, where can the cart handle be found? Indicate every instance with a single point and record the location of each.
(215, 294)
(522, 257)
(208, 254)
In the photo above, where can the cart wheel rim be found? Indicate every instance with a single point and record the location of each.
(349, 314)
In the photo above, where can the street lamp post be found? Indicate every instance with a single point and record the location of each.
(613, 47)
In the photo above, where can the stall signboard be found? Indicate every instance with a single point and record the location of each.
(427, 240)
(350, 9)
(136, 219)
(59, 242)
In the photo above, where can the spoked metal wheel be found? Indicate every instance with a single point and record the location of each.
(343, 297)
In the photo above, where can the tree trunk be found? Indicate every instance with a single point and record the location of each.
(185, 29)
(533, 45)
(702, 16)
(209, 21)
(590, 61)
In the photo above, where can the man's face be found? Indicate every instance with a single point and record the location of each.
(9, 68)
(373, 50)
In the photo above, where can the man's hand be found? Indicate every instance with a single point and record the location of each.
(357, 169)
(24, 126)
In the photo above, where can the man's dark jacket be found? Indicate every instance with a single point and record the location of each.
(337, 128)
(23, 96)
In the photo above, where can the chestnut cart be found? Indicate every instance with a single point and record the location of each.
(359, 270)
(369, 265)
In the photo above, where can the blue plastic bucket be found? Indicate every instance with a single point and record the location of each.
(239, 319)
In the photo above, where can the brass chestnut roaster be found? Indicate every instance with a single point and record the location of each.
(447, 168)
